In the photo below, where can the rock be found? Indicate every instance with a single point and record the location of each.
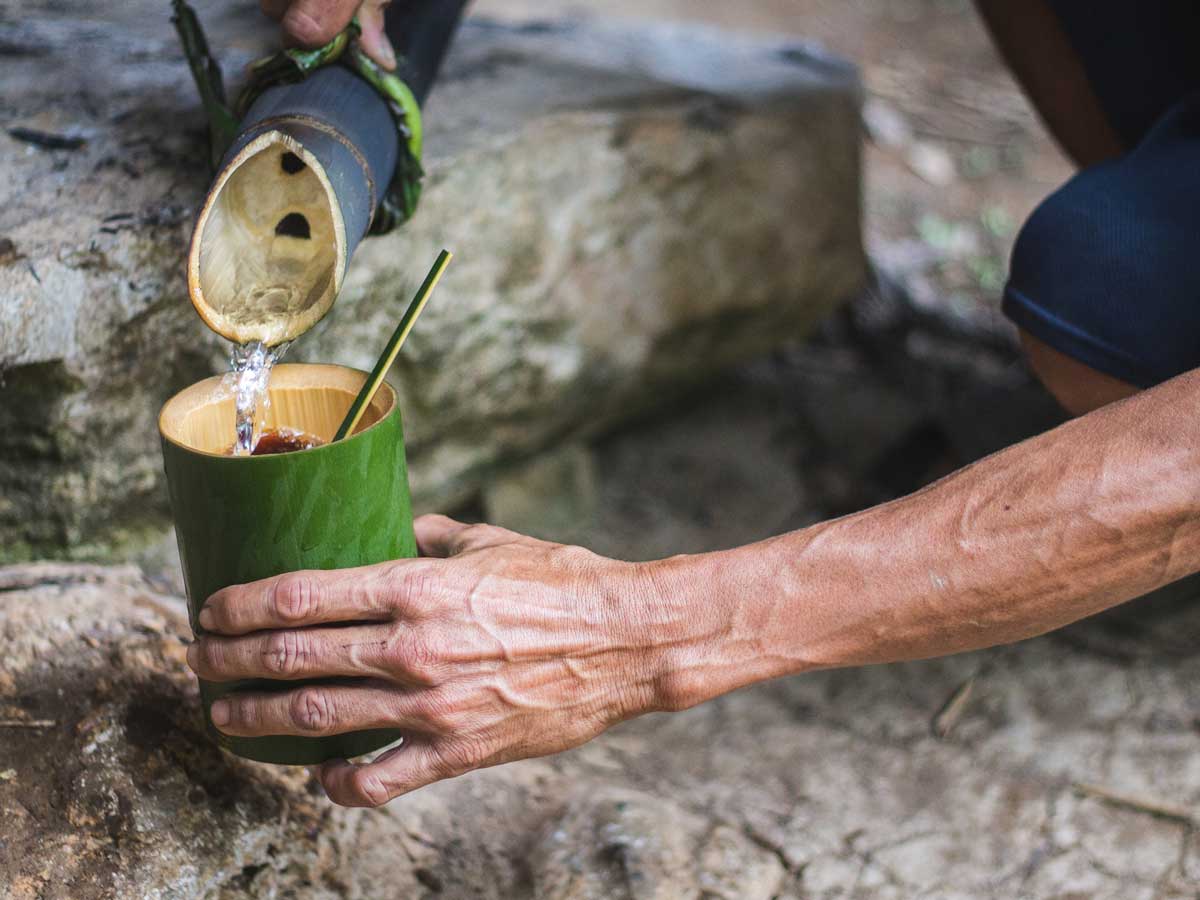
(553, 495)
(119, 792)
(721, 474)
(110, 787)
(826, 785)
(632, 209)
(616, 844)
(732, 867)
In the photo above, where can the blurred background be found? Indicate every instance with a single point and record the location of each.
(956, 157)
(919, 376)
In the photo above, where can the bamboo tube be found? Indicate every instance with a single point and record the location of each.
(298, 188)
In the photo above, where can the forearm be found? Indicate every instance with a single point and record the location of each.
(1093, 513)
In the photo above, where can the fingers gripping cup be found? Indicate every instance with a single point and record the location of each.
(242, 518)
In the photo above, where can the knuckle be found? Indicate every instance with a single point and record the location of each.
(295, 597)
(370, 789)
(462, 756)
(464, 538)
(677, 691)
(390, 655)
(286, 653)
(312, 709)
(307, 28)
(219, 613)
(478, 533)
(303, 30)
(407, 589)
(420, 657)
(414, 586)
(438, 714)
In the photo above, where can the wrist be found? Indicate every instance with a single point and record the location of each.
(642, 621)
(717, 622)
(680, 627)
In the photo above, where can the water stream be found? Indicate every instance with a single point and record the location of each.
(251, 364)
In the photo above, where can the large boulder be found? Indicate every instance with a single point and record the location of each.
(1062, 767)
(632, 209)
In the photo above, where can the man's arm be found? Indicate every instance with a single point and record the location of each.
(502, 647)
(1098, 511)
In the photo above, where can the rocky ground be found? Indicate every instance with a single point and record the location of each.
(1060, 768)
(1064, 767)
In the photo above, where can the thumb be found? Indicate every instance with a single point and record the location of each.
(312, 23)
(374, 40)
(405, 768)
(439, 536)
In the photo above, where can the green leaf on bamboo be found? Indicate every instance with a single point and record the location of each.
(206, 72)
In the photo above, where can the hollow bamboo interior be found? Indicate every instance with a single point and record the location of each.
(269, 250)
(309, 398)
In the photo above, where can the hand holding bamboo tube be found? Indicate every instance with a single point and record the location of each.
(312, 23)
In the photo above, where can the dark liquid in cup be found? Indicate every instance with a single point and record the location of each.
(284, 440)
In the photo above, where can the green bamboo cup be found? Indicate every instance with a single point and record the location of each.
(239, 519)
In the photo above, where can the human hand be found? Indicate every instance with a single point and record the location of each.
(313, 23)
(500, 647)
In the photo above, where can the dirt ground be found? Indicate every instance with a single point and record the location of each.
(956, 157)
(1060, 768)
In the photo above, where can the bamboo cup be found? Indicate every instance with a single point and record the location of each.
(239, 519)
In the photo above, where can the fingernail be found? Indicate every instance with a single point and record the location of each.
(219, 713)
(193, 655)
(206, 619)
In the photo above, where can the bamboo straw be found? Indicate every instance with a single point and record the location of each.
(363, 400)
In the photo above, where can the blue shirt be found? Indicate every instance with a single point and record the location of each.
(1107, 269)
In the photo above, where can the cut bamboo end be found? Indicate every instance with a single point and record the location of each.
(269, 249)
(309, 398)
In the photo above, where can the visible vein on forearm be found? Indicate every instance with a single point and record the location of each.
(1097, 511)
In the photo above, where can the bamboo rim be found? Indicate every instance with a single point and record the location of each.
(307, 397)
(286, 326)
